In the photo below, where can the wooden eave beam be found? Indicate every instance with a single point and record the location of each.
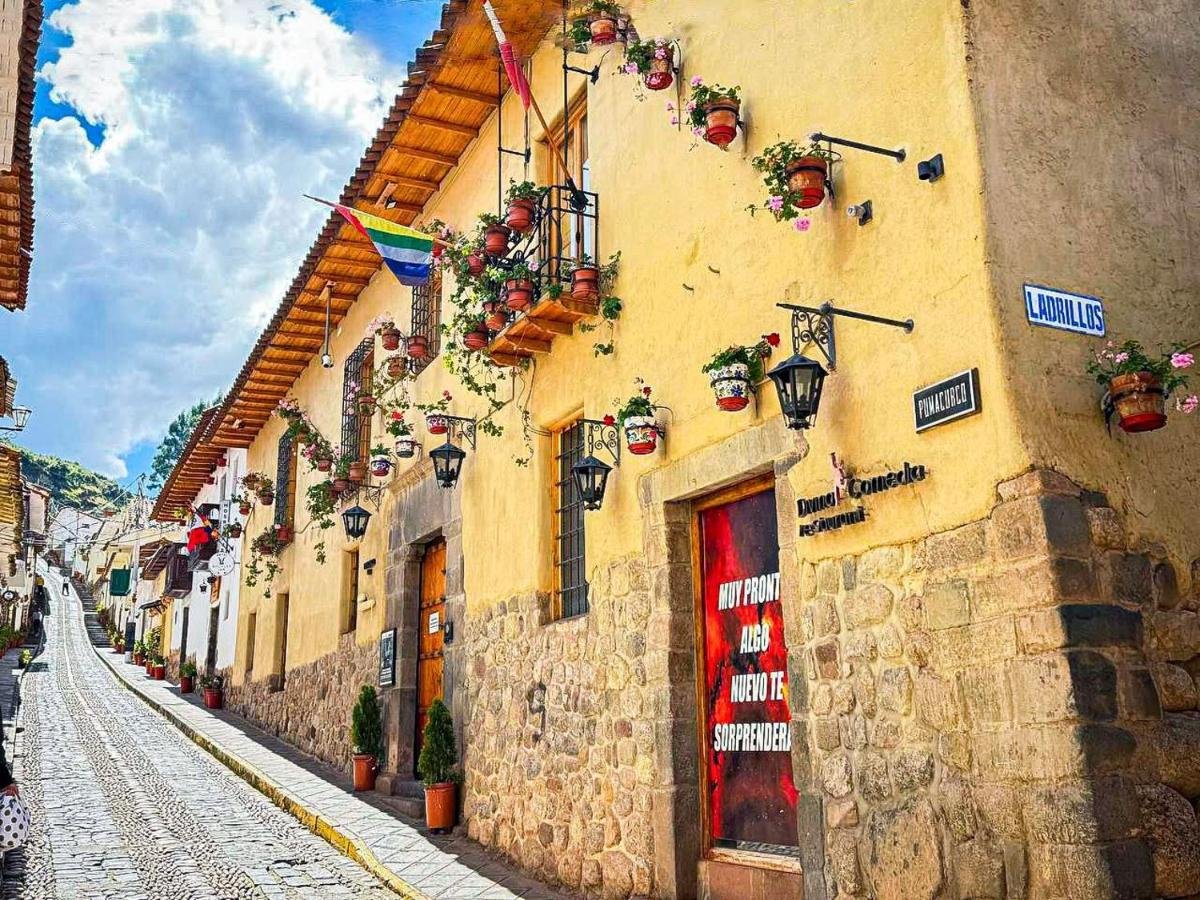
(470, 131)
(463, 94)
(420, 153)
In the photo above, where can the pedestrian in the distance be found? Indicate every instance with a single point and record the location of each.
(66, 586)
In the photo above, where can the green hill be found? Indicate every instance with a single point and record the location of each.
(69, 483)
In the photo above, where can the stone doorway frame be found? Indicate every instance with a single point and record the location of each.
(666, 497)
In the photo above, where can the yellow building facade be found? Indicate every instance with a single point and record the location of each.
(983, 685)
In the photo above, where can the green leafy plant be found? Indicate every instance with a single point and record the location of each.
(341, 462)
(639, 404)
(211, 682)
(1131, 358)
(264, 563)
(702, 95)
(187, 670)
(750, 355)
(26, 657)
(366, 724)
(395, 423)
(258, 483)
(783, 203)
(640, 55)
(439, 753)
(610, 305)
(524, 190)
(441, 405)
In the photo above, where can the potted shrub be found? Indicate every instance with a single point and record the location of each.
(522, 199)
(366, 734)
(25, 659)
(381, 462)
(795, 176)
(159, 672)
(187, 677)
(518, 288)
(139, 653)
(713, 112)
(636, 416)
(495, 235)
(734, 371)
(397, 427)
(652, 60)
(435, 414)
(397, 366)
(213, 692)
(1139, 384)
(435, 765)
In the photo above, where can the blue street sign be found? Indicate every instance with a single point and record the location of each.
(1064, 310)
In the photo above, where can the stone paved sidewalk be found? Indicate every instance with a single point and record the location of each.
(363, 826)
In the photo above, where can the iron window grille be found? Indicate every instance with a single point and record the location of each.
(426, 319)
(285, 478)
(564, 232)
(357, 371)
(570, 557)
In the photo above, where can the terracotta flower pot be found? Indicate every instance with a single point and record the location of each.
(603, 29)
(340, 485)
(390, 338)
(518, 294)
(213, 698)
(266, 498)
(244, 509)
(397, 367)
(476, 338)
(149, 668)
(160, 673)
(364, 772)
(139, 659)
(185, 684)
(324, 464)
(585, 284)
(436, 423)
(475, 263)
(1140, 402)
(641, 435)
(721, 121)
(358, 471)
(495, 240)
(439, 806)
(520, 215)
(235, 531)
(496, 321)
(806, 177)
(732, 386)
(406, 447)
(418, 346)
(660, 76)
(284, 533)
(380, 466)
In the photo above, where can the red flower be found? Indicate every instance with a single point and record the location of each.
(772, 339)
(646, 390)
(609, 420)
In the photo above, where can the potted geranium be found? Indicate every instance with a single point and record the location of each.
(734, 371)
(381, 462)
(397, 366)
(397, 427)
(795, 176)
(384, 326)
(139, 653)
(187, 675)
(712, 112)
(417, 346)
(435, 414)
(435, 765)
(522, 199)
(495, 235)
(598, 23)
(1139, 384)
(213, 693)
(636, 416)
(366, 734)
(518, 288)
(653, 60)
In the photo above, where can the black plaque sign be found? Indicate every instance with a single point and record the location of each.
(387, 658)
(950, 399)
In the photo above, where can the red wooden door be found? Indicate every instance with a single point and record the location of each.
(430, 621)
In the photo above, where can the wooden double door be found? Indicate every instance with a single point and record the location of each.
(431, 622)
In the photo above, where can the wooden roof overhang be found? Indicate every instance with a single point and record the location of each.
(12, 497)
(16, 183)
(146, 553)
(192, 471)
(158, 561)
(451, 91)
(8, 389)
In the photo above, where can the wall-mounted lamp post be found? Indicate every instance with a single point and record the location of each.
(20, 416)
(447, 463)
(355, 521)
(591, 473)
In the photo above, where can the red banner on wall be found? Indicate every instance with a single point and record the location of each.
(751, 794)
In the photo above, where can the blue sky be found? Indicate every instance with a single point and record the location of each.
(171, 149)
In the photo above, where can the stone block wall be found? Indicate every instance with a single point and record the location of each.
(312, 711)
(1006, 709)
(559, 747)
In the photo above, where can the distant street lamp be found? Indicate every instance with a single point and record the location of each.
(20, 415)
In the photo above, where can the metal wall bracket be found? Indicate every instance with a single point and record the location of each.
(603, 435)
(897, 155)
(592, 74)
(461, 426)
(931, 169)
(814, 325)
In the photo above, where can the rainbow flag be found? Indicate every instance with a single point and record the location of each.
(407, 252)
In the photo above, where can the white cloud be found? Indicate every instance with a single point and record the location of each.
(160, 254)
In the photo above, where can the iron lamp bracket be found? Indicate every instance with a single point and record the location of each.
(461, 427)
(604, 436)
(814, 325)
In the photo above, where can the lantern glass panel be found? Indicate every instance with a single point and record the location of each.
(355, 520)
(447, 464)
(591, 479)
(799, 382)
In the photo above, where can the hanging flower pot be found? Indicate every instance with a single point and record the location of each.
(495, 240)
(721, 120)
(406, 448)
(418, 346)
(284, 534)
(340, 485)
(603, 29)
(520, 215)
(380, 466)
(390, 338)
(266, 498)
(244, 509)
(660, 77)
(585, 284)
(641, 435)
(366, 404)
(324, 464)
(475, 263)
(397, 366)
(732, 386)
(476, 338)
(235, 530)
(358, 472)
(436, 423)
(806, 178)
(496, 320)
(1140, 401)
(518, 293)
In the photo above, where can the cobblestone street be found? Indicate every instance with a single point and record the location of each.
(126, 806)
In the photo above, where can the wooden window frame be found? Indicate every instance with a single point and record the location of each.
(348, 623)
(576, 152)
(570, 599)
(251, 637)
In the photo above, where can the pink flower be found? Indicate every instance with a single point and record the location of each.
(1187, 405)
(674, 120)
(690, 106)
(670, 106)
(1182, 360)
(660, 53)
(775, 204)
(697, 81)
(803, 224)
(1121, 358)
(698, 131)
(631, 68)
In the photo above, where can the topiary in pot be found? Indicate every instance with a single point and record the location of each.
(435, 765)
(366, 733)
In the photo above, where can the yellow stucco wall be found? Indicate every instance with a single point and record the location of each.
(675, 208)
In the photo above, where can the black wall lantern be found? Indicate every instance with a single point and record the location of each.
(800, 381)
(447, 463)
(355, 520)
(591, 473)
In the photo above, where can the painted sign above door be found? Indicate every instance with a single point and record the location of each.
(1064, 310)
(950, 399)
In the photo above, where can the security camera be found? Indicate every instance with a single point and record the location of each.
(326, 360)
